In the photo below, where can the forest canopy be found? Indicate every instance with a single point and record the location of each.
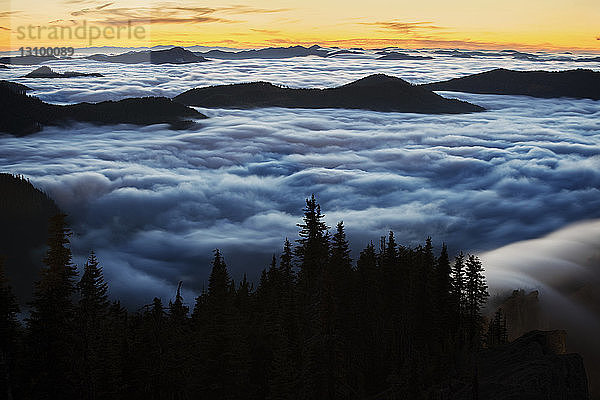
(400, 322)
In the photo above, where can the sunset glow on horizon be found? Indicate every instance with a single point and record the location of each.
(531, 25)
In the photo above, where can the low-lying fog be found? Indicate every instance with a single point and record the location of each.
(153, 202)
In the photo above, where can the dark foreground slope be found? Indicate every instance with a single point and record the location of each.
(375, 92)
(21, 114)
(533, 367)
(175, 55)
(578, 83)
(24, 215)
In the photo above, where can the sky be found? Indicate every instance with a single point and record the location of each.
(515, 24)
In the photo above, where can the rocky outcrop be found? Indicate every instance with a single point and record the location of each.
(578, 83)
(376, 92)
(522, 312)
(534, 367)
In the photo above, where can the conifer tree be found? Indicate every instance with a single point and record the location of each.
(177, 310)
(51, 322)
(313, 244)
(476, 295)
(497, 333)
(91, 317)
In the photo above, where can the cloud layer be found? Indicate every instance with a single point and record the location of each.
(153, 202)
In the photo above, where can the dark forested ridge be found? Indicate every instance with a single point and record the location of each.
(21, 114)
(375, 92)
(399, 323)
(24, 214)
(577, 83)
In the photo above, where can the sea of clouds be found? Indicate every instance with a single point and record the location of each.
(153, 202)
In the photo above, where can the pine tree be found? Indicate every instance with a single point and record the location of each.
(313, 244)
(443, 293)
(91, 317)
(497, 333)
(177, 310)
(51, 322)
(9, 331)
(476, 295)
(458, 298)
(178, 359)
(224, 345)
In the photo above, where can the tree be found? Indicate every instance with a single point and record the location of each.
(177, 310)
(497, 333)
(91, 317)
(313, 244)
(51, 322)
(476, 295)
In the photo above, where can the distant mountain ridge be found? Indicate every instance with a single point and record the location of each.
(46, 72)
(578, 83)
(269, 52)
(174, 55)
(21, 114)
(375, 92)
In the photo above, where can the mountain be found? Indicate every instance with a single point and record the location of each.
(46, 72)
(375, 92)
(578, 83)
(269, 52)
(175, 55)
(344, 52)
(24, 214)
(21, 114)
(26, 60)
(394, 55)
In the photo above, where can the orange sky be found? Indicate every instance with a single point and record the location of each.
(516, 24)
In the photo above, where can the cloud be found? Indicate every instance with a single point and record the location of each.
(564, 267)
(154, 203)
(168, 13)
(404, 27)
(266, 31)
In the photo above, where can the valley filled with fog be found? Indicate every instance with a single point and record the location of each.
(153, 202)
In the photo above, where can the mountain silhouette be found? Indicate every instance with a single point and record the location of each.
(175, 55)
(394, 55)
(375, 92)
(578, 83)
(269, 52)
(344, 52)
(26, 60)
(46, 72)
(21, 114)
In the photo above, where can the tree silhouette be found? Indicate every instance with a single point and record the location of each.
(51, 321)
